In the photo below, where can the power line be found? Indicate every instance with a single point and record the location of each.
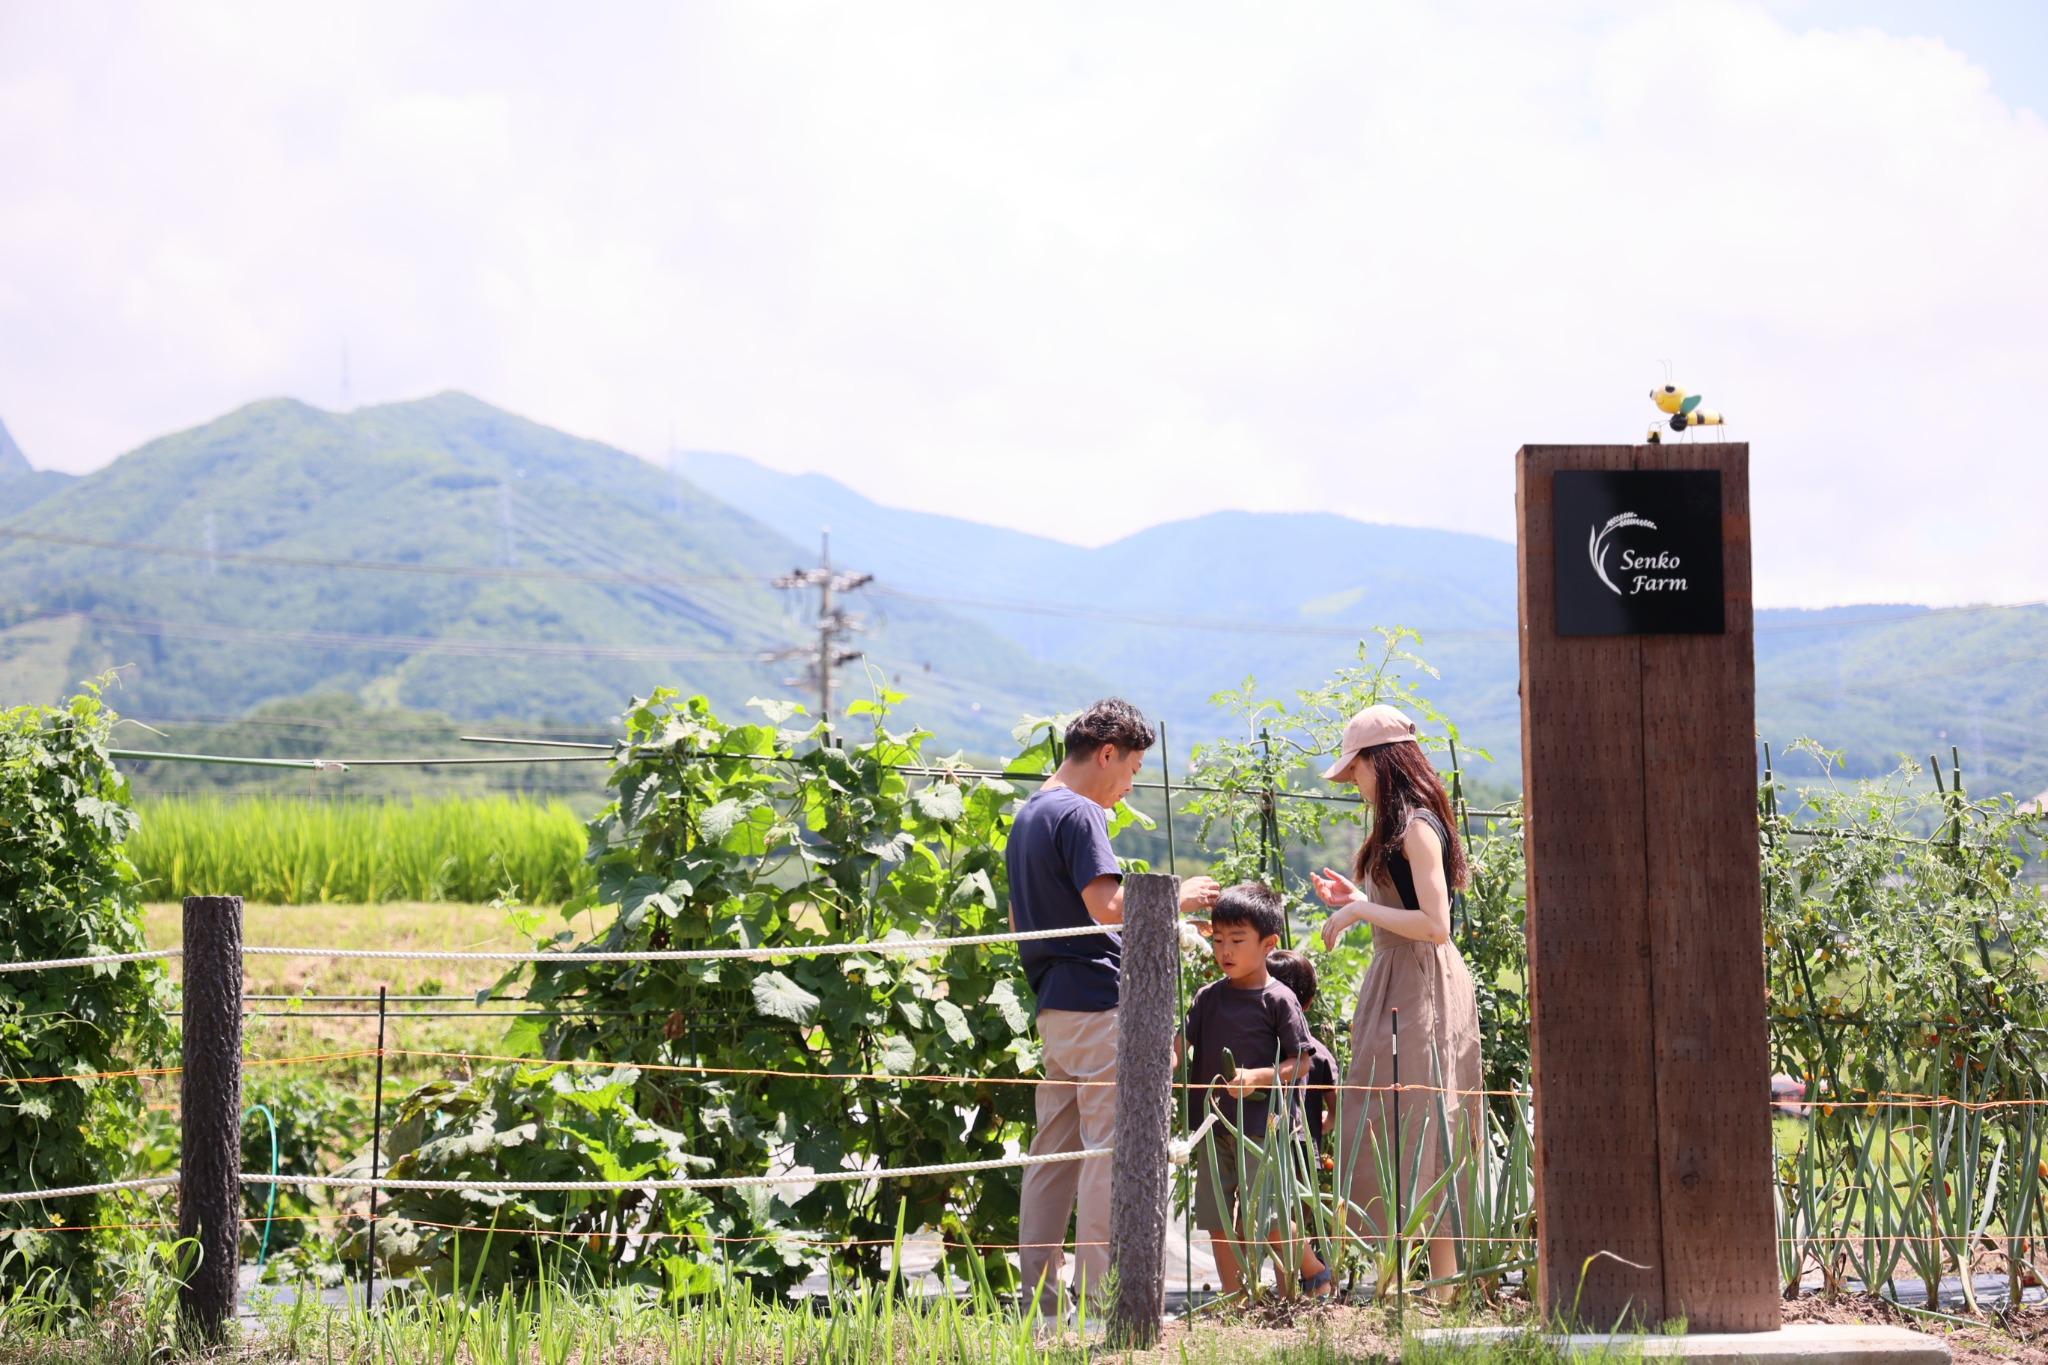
(367, 565)
(653, 586)
(1168, 621)
(652, 579)
(449, 727)
(411, 644)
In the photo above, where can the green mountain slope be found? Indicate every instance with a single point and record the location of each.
(1886, 683)
(514, 540)
(531, 575)
(1176, 612)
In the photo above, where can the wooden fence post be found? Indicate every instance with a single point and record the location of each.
(210, 1153)
(1144, 1107)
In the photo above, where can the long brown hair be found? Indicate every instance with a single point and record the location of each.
(1404, 781)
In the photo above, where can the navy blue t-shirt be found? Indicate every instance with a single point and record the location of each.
(1059, 843)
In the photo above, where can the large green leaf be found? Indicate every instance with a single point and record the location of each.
(1009, 1007)
(942, 801)
(896, 1054)
(954, 1021)
(776, 996)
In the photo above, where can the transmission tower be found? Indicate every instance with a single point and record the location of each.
(675, 474)
(835, 623)
(507, 554)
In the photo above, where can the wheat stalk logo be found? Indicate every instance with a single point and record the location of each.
(1596, 543)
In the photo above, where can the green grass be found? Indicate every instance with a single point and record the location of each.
(553, 1322)
(300, 852)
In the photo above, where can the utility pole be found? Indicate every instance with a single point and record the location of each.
(834, 622)
(675, 474)
(505, 541)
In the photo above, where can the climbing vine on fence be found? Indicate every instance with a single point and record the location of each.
(67, 890)
(728, 834)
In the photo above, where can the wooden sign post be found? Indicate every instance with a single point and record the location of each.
(1645, 916)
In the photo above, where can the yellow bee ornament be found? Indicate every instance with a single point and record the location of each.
(1684, 408)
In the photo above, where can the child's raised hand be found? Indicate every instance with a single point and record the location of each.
(1249, 1083)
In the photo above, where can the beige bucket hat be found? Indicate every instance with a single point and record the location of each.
(1374, 726)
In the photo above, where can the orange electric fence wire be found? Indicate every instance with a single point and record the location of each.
(175, 1070)
(1900, 1099)
(913, 1077)
(1883, 1099)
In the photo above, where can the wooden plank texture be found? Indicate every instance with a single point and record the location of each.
(1706, 931)
(1597, 1184)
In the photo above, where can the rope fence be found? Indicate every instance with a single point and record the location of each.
(1179, 1152)
(211, 1200)
(763, 953)
(210, 1111)
(79, 1191)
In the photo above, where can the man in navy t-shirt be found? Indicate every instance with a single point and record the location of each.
(1064, 874)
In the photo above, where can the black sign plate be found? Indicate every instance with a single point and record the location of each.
(1639, 552)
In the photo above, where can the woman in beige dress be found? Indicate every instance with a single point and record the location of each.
(1412, 860)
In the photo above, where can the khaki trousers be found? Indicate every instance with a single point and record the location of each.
(1076, 1046)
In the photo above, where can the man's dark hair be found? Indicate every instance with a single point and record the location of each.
(1293, 971)
(1253, 903)
(1109, 721)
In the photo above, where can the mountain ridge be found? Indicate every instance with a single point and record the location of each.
(464, 559)
(610, 575)
(1240, 582)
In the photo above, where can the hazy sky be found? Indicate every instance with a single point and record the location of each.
(1078, 269)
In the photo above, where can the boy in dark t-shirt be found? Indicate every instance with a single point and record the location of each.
(1244, 1034)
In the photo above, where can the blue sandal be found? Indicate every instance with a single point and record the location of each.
(1323, 1280)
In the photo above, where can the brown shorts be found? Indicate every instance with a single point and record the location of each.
(1217, 1190)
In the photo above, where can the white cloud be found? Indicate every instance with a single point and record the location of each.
(974, 259)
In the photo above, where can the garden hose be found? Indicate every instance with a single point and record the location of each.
(270, 1208)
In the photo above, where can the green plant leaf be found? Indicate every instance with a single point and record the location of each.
(896, 1054)
(776, 996)
(954, 1020)
(777, 711)
(943, 802)
(1003, 998)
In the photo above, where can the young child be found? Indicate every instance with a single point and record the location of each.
(1316, 1096)
(1255, 1020)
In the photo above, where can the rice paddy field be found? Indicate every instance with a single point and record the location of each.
(298, 852)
